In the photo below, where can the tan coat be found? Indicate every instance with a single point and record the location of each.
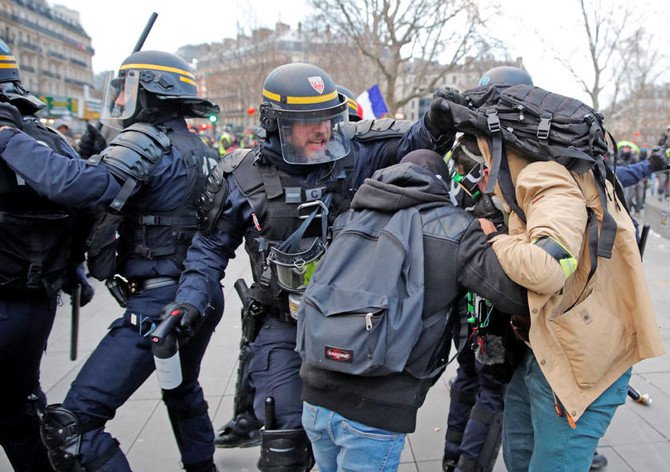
(583, 338)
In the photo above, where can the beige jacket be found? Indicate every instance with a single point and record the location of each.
(583, 337)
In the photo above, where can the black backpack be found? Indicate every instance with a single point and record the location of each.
(542, 126)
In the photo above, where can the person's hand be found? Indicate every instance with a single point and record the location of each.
(91, 142)
(485, 208)
(189, 321)
(488, 226)
(439, 120)
(658, 161)
(10, 116)
(76, 275)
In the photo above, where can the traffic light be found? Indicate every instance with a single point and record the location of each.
(213, 118)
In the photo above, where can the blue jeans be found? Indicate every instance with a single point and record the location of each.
(341, 444)
(536, 439)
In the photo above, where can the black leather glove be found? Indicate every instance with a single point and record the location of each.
(190, 320)
(658, 161)
(439, 120)
(91, 142)
(10, 116)
(485, 208)
(76, 275)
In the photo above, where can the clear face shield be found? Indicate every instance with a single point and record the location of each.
(313, 137)
(120, 101)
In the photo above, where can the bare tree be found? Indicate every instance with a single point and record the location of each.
(605, 25)
(421, 39)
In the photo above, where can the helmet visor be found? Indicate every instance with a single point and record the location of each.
(120, 102)
(313, 137)
(295, 269)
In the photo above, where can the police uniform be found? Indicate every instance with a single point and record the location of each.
(145, 185)
(258, 195)
(37, 254)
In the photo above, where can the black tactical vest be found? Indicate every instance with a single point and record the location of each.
(274, 196)
(35, 233)
(169, 234)
(158, 234)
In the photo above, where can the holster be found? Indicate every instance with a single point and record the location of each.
(253, 317)
(119, 287)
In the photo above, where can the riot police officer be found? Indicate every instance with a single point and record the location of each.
(243, 430)
(38, 257)
(145, 187)
(280, 198)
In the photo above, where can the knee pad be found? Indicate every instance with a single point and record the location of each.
(61, 435)
(285, 450)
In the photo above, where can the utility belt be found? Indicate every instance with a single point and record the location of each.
(122, 289)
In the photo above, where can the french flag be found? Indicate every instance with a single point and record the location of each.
(372, 103)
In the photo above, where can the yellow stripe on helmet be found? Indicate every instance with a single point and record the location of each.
(8, 65)
(157, 67)
(300, 100)
(353, 104)
(188, 81)
(8, 58)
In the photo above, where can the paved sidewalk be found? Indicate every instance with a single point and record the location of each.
(638, 439)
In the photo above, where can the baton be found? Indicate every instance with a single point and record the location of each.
(642, 398)
(145, 32)
(643, 239)
(75, 299)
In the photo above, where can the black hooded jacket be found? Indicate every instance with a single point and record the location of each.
(457, 258)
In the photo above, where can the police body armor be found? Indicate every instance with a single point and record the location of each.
(274, 196)
(131, 156)
(35, 232)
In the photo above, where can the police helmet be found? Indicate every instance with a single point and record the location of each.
(151, 82)
(355, 111)
(302, 104)
(505, 75)
(11, 89)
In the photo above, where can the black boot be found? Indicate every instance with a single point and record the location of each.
(241, 431)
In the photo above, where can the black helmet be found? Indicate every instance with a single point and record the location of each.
(303, 104)
(355, 112)
(505, 75)
(153, 83)
(11, 89)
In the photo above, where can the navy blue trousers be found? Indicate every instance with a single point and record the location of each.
(119, 366)
(25, 324)
(275, 372)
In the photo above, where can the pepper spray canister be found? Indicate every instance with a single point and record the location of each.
(165, 349)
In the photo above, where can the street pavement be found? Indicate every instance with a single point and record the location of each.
(637, 440)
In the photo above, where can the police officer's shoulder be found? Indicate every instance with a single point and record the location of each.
(134, 152)
(381, 129)
(213, 198)
(231, 160)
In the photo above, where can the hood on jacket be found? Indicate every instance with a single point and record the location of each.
(400, 186)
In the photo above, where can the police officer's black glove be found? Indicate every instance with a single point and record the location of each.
(10, 116)
(190, 320)
(658, 160)
(92, 142)
(439, 120)
(485, 208)
(76, 275)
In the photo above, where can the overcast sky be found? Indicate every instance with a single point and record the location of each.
(116, 26)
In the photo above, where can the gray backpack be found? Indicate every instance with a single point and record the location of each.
(361, 313)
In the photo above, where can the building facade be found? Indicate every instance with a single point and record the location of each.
(53, 53)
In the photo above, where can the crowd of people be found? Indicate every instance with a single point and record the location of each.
(509, 252)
